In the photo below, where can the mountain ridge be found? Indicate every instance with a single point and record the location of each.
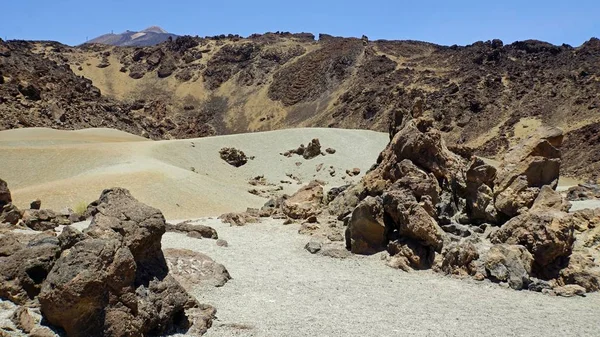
(484, 96)
(150, 36)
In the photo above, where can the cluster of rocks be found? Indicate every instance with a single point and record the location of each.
(233, 156)
(306, 203)
(430, 208)
(33, 218)
(112, 279)
(585, 191)
(310, 151)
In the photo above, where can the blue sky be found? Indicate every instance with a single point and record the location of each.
(444, 22)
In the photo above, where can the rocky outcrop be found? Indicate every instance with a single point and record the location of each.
(580, 192)
(527, 167)
(26, 266)
(44, 219)
(547, 234)
(111, 280)
(431, 208)
(193, 230)
(509, 263)
(233, 156)
(310, 151)
(306, 202)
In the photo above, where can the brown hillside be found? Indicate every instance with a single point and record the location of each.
(486, 95)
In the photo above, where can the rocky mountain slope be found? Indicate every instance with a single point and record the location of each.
(484, 97)
(148, 37)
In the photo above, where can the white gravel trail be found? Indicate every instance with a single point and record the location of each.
(279, 289)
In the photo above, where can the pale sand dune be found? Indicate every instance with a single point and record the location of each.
(65, 168)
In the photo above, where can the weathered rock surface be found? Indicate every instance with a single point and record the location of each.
(193, 230)
(44, 219)
(116, 282)
(310, 151)
(306, 202)
(192, 269)
(26, 266)
(412, 219)
(459, 259)
(233, 156)
(583, 192)
(5, 197)
(509, 263)
(409, 255)
(547, 234)
(527, 167)
(366, 232)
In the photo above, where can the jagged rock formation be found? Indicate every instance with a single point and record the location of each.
(110, 280)
(430, 208)
(484, 97)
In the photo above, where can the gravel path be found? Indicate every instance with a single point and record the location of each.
(279, 289)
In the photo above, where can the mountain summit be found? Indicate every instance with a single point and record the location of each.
(147, 37)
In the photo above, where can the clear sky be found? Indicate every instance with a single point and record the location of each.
(440, 21)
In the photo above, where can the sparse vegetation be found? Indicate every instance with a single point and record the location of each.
(80, 208)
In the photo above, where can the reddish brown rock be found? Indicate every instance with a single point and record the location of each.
(306, 202)
(366, 232)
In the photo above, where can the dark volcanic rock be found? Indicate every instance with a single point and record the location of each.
(115, 281)
(5, 197)
(233, 156)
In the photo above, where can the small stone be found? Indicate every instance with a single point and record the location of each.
(336, 253)
(312, 219)
(330, 150)
(308, 228)
(570, 290)
(36, 204)
(313, 246)
(222, 243)
(335, 237)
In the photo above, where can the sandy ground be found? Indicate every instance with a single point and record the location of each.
(67, 168)
(279, 289)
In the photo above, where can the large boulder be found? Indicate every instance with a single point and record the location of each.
(479, 195)
(527, 167)
(192, 269)
(26, 265)
(306, 202)
(583, 270)
(5, 197)
(459, 259)
(44, 219)
(584, 192)
(509, 263)
(412, 219)
(10, 214)
(346, 201)
(418, 142)
(366, 232)
(546, 233)
(233, 156)
(115, 281)
(409, 255)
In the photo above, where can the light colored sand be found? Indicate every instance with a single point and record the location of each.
(279, 289)
(66, 168)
